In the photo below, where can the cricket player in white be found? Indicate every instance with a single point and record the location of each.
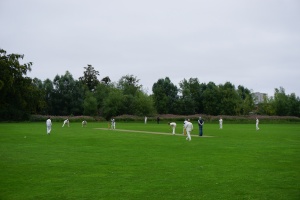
(173, 125)
(188, 127)
(48, 125)
(257, 122)
(221, 123)
(66, 122)
(145, 119)
(84, 123)
(113, 124)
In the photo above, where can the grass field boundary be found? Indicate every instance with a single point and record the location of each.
(150, 132)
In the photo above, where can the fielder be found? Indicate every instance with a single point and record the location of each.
(66, 122)
(48, 125)
(173, 125)
(257, 122)
(84, 123)
(113, 124)
(221, 122)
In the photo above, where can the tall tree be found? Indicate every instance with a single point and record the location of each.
(187, 103)
(228, 99)
(38, 102)
(294, 105)
(90, 78)
(144, 104)
(90, 104)
(192, 95)
(19, 94)
(101, 93)
(129, 84)
(165, 96)
(211, 99)
(106, 80)
(66, 95)
(280, 102)
(245, 102)
(266, 107)
(48, 96)
(113, 104)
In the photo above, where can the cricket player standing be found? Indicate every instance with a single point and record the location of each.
(221, 122)
(113, 124)
(48, 125)
(257, 122)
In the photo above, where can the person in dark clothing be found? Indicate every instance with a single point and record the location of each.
(157, 119)
(200, 124)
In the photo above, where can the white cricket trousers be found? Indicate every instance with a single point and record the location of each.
(48, 129)
(188, 132)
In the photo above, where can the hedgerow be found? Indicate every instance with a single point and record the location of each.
(170, 117)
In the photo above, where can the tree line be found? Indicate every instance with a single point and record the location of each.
(22, 96)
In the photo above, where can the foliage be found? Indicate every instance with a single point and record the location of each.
(129, 84)
(43, 118)
(67, 96)
(281, 104)
(90, 104)
(165, 96)
(22, 96)
(89, 77)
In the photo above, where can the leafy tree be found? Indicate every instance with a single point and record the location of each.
(129, 84)
(90, 77)
(245, 103)
(144, 105)
(48, 90)
(228, 99)
(211, 99)
(165, 96)
(90, 104)
(19, 94)
(101, 93)
(63, 100)
(266, 107)
(192, 96)
(187, 103)
(294, 105)
(280, 102)
(106, 80)
(38, 102)
(135, 101)
(78, 97)
(113, 104)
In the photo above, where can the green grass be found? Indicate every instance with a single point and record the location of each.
(88, 163)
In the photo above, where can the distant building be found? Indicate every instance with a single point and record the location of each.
(258, 97)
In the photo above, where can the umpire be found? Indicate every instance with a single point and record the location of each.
(200, 123)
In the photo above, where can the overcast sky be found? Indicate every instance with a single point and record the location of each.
(253, 43)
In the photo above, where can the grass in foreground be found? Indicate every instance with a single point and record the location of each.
(88, 163)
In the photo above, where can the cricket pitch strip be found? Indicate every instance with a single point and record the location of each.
(149, 132)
